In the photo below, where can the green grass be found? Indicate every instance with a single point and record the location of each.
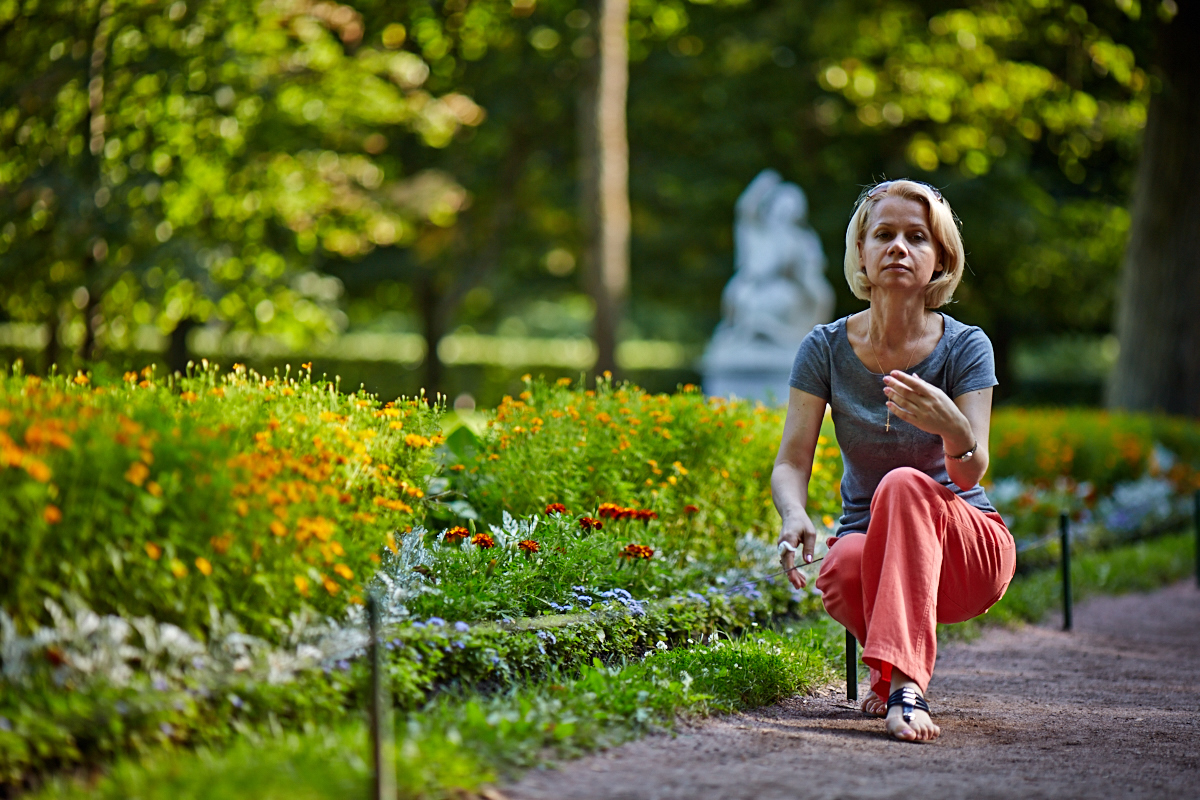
(1143, 566)
(466, 742)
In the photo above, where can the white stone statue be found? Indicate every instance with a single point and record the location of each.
(777, 294)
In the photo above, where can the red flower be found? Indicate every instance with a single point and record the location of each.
(633, 551)
(483, 540)
(610, 511)
(556, 508)
(456, 535)
(645, 515)
(590, 524)
(529, 546)
(690, 509)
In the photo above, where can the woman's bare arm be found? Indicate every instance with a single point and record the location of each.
(789, 478)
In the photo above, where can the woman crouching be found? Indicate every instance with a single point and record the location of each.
(910, 391)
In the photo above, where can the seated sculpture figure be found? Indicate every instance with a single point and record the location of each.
(777, 294)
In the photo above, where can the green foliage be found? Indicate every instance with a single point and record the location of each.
(163, 498)
(1101, 448)
(1139, 567)
(183, 162)
(462, 743)
(701, 464)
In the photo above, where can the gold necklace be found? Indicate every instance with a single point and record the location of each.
(871, 338)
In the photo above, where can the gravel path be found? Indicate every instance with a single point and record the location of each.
(1110, 710)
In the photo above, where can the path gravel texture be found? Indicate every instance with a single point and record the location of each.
(1110, 710)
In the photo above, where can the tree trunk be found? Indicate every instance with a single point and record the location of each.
(434, 323)
(1157, 320)
(177, 346)
(604, 176)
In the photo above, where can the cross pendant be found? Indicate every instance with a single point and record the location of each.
(887, 427)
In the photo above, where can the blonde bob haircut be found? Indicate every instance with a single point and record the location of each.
(943, 225)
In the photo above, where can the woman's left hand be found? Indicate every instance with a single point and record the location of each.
(927, 407)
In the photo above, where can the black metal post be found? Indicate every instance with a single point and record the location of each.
(1064, 530)
(382, 732)
(1196, 527)
(851, 667)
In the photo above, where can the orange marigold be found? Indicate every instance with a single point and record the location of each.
(301, 584)
(633, 551)
(529, 546)
(178, 568)
(52, 514)
(137, 473)
(344, 571)
(153, 550)
(590, 524)
(456, 535)
(483, 540)
(690, 509)
(556, 508)
(204, 565)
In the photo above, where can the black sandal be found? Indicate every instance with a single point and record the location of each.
(909, 700)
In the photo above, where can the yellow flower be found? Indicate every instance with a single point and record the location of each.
(828, 520)
(344, 571)
(178, 569)
(153, 488)
(189, 397)
(204, 566)
(391, 543)
(153, 550)
(37, 470)
(563, 382)
(330, 586)
(81, 379)
(395, 425)
(137, 473)
(301, 584)
(52, 514)
(278, 528)
(413, 440)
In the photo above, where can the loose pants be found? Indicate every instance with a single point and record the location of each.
(927, 557)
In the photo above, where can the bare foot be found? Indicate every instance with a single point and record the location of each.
(872, 706)
(921, 728)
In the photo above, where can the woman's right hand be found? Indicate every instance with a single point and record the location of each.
(798, 532)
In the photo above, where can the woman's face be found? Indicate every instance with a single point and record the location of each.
(898, 250)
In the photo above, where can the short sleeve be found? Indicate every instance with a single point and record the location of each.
(973, 365)
(813, 365)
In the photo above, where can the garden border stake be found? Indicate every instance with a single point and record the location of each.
(382, 732)
(1064, 530)
(851, 667)
(1196, 528)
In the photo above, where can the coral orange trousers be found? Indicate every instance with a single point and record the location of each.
(927, 557)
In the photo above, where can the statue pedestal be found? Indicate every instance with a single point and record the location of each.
(751, 370)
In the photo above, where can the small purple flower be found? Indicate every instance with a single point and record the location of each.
(460, 644)
(418, 625)
(235, 701)
(437, 621)
(166, 728)
(495, 660)
(159, 684)
(5, 725)
(462, 627)
(343, 665)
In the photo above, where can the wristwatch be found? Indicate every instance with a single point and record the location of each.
(967, 456)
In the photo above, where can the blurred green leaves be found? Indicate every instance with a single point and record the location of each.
(231, 142)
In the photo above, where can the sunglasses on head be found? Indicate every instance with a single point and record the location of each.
(880, 187)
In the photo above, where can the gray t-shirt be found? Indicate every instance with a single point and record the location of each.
(827, 366)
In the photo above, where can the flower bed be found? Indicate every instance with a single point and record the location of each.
(186, 558)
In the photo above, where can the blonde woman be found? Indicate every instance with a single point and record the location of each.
(910, 390)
